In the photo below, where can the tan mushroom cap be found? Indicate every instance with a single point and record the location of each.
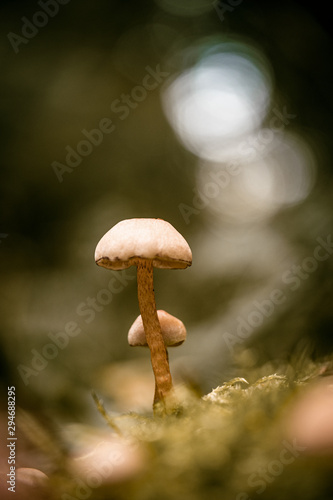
(31, 477)
(173, 331)
(153, 239)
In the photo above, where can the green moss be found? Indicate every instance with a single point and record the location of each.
(227, 445)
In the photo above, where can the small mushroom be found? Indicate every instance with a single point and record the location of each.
(310, 419)
(106, 460)
(31, 477)
(147, 243)
(173, 331)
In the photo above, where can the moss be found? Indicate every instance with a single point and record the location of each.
(229, 444)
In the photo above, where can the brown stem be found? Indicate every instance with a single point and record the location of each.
(152, 327)
(156, 397)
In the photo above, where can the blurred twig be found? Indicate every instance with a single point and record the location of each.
(100, 407)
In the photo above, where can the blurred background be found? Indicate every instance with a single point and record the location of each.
(215, 116)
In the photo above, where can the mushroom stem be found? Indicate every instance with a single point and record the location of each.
(152, 327)
(156, 396)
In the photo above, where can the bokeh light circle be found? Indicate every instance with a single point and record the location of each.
(225, 95)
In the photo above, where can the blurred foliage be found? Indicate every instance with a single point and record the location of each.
(233, 443)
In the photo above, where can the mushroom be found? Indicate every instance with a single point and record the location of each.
(31, 477)
(173, 332)
(147, 243)
(309, 420)
(104, 460)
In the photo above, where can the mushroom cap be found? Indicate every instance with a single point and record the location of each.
(134, 239)
(31, 477)
(173, 331)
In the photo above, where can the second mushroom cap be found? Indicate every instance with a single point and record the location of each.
(173, 331)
